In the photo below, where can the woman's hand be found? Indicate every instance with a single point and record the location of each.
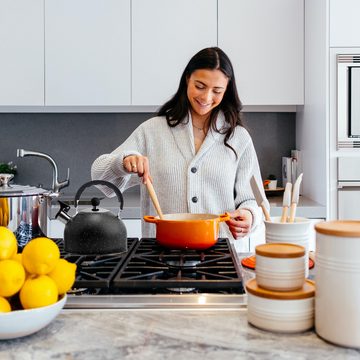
(240, 222)
(137, 164)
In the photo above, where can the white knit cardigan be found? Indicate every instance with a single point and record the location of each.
(218, 180)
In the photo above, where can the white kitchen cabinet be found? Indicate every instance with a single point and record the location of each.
(87, 57)
(22, 52)
(165, 34)
(344, 23)
(265, 41)
(331, 28)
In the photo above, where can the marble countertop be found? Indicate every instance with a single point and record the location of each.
(164, 334)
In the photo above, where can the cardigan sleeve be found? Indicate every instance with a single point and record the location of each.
(110, 167)
(244, 197)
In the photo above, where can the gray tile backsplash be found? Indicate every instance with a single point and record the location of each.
(274, 137)
(74, 140)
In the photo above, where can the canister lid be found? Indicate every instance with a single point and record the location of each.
(307, 291)
(343, 228)
(280, 250)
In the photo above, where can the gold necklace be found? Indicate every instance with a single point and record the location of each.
(203, 129)
(200, 129)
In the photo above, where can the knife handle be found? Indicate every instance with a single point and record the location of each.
(284, 214)
(292, 212)
(265, 211)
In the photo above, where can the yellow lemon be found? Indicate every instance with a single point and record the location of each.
(63, 275)
(17, 257)
(4, 305)
(12, 277)
(38, 291)
(8, 243)
(40, 256)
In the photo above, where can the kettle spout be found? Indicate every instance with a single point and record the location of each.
(62, 214)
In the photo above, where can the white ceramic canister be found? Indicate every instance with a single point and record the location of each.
(297, 233)
(286, 312)
(280, 266)
(337, 309)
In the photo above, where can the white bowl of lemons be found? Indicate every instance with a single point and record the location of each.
(33, 284)
(20, 323)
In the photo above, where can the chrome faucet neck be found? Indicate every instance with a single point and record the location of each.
(56, 185)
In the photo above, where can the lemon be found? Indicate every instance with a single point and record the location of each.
(12, 277)
(4, 305)
(38, 291)
(40, 256)
(63, 275)
(8, 243)
(17, 257)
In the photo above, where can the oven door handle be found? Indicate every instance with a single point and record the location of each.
(347, 184)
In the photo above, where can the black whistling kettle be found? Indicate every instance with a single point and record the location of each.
(96, 230)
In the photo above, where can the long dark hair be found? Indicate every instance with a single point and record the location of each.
(176, 109)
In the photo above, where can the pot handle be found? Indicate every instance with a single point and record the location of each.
(99, 182)
(151, 219)
(224, 217)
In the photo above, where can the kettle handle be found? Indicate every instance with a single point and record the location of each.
(99, 182)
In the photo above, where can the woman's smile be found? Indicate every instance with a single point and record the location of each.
(206, 89)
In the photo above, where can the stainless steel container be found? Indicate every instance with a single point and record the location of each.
(26, 209)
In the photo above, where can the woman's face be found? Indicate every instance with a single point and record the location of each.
(205, 90)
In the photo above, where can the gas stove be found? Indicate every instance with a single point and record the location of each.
(151, 276)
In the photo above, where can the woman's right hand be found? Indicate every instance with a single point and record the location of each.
(137, 164)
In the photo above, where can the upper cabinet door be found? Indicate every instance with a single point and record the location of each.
(165, 35)
(22, 52)
(87, 59)
(265, 41)
(344, 23)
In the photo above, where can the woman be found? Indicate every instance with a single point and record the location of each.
(195, 151)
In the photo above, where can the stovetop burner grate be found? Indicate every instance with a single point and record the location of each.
(151, 266)
(148, 268)
(95, 271)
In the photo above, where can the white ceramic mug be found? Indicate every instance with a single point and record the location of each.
(272, 185)
(297, 232)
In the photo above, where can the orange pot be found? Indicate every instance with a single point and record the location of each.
(187, 231)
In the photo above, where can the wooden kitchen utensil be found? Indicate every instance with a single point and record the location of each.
(154, 198)
(260, 198)
(286, 202)
(295, 198)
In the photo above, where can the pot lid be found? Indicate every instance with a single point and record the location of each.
(307, 291)
(280, 250)
(13, 190)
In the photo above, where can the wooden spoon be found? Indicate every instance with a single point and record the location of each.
(154, 198)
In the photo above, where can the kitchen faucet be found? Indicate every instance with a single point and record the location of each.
(56, 185)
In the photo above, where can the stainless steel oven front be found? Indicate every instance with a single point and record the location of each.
(348, 101)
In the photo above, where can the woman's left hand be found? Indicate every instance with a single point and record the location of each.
(240, 222)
